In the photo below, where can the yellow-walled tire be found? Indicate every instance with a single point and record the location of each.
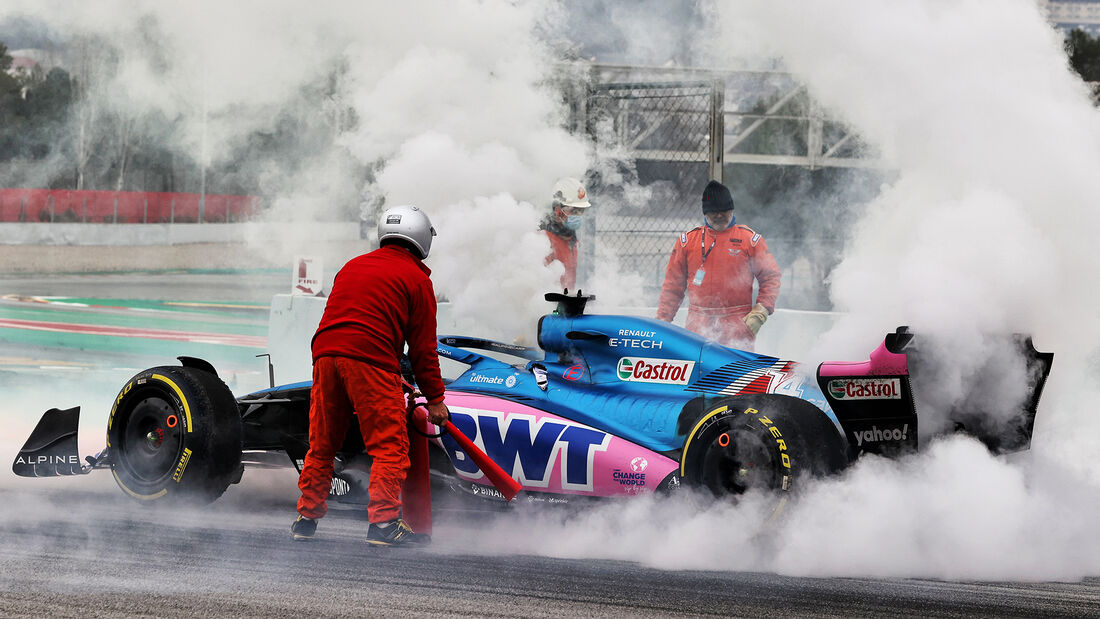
(760, 442)
(175, 433)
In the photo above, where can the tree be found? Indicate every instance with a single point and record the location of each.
(33, 109)
(1084, 57)
(8, 84)
(9, 103)
(72, 127)
(52, 95)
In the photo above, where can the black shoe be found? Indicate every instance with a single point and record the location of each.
(396, 533)
(303, 528)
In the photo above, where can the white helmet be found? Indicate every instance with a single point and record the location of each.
(570, 192)
(408, 223)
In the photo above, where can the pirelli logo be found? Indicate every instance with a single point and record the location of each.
(182, 466)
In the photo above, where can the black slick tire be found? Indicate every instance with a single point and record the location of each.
(760, 442)
(175, 433)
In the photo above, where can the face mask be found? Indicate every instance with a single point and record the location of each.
(706, 222)
(573, 222)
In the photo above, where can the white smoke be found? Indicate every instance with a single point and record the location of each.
(449, 104)
(472, 136)
(986, 127)
(986, 229)
(951, 513)
(490, 264)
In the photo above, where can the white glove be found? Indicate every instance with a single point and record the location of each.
(756, 318)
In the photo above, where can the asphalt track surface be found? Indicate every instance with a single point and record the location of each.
(92, 552)
(79, 547)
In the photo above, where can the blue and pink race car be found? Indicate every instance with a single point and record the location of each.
(605, 406)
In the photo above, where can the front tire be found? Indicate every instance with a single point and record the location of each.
(760, 442)
(175, 432)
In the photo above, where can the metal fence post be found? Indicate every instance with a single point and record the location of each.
(717, 129)
(116, 209)
(588, 249)
(814, 138)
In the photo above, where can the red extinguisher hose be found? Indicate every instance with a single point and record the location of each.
(501, 480)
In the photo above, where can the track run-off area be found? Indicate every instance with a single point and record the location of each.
(52, 332)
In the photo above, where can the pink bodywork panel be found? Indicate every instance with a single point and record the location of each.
(882, 363)
(616, 466)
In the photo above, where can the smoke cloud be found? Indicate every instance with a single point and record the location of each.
(985, 228)
(416, 104)
(952, 513)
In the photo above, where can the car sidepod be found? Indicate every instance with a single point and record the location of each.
(549, 454)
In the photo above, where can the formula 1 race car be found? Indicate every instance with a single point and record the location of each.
(605, 406)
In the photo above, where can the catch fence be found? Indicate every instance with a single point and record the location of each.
(666, 138)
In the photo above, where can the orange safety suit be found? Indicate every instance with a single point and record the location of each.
(564, 250)
(716, 271)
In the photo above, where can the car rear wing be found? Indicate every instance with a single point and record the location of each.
(876, 401)
(1002, 394)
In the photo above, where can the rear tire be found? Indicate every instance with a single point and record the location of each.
(175, 433)
(760, 442)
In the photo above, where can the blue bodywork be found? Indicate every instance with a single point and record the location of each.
(587, 356)
(581, 357)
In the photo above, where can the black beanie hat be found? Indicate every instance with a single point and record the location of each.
(716, 198)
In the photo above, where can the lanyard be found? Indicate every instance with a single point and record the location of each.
(702, 241)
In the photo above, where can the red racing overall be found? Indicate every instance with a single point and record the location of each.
(716, 270)
(379, 301)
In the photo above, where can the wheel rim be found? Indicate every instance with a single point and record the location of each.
(151, 440)
(736, 462)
